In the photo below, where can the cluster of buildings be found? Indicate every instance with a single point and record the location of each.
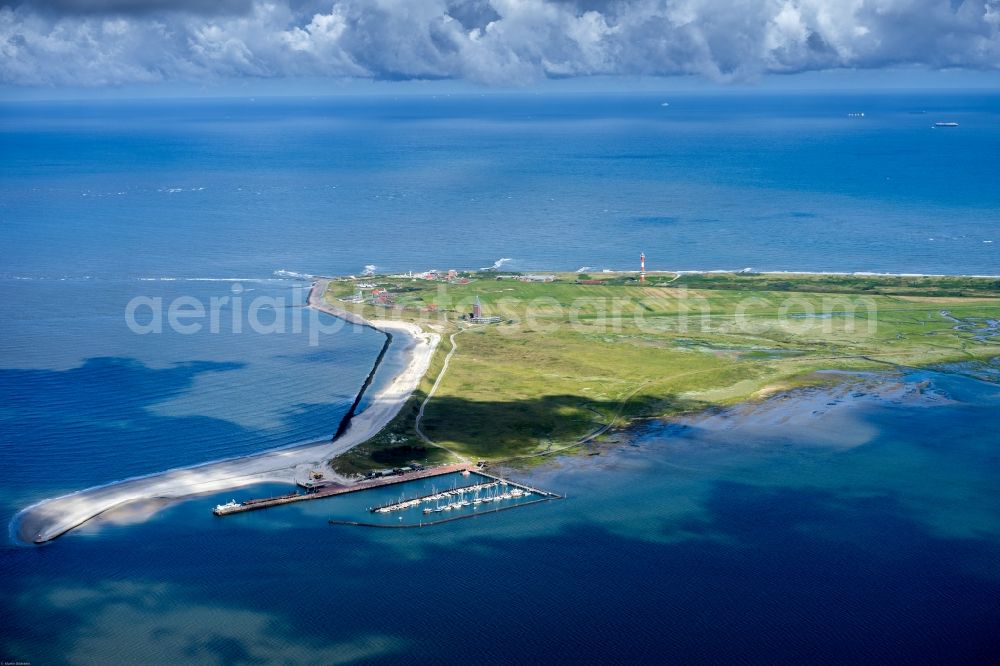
(382, 296)
(450, 276)
(528, 278)
(378, 295)
(395, 471)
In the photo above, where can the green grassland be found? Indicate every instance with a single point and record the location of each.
(571, 360)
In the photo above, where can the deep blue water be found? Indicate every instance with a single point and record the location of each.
(241, 188)
(689, 546)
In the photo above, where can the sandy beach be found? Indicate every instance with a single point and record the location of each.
(51, 518)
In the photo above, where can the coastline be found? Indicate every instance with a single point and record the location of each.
(51, 518)
(782, 273)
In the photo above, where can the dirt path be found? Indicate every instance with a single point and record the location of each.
(430, 394)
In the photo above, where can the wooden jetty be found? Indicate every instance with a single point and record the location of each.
(332, 489)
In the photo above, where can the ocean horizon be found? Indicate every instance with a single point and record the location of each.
(330, 185)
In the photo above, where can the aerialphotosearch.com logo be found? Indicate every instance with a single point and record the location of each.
(679, 311)
(233, 313)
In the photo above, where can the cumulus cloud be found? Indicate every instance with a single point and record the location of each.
(111, 42)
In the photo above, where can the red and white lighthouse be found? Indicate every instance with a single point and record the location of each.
(642, 266)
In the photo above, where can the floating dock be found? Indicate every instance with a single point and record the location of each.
(537, 491)
(457, 491)
(458, 498)
(521, 491)
(441, 521)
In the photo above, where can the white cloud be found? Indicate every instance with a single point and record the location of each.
(490, 41)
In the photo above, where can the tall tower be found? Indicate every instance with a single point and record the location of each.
(477, 308)
(642, 266)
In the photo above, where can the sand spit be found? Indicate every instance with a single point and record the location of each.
(51, 518)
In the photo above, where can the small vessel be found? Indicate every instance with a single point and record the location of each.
(949, 124)
(222, 508)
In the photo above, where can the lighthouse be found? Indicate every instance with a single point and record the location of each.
(477, 309)
(642, 266)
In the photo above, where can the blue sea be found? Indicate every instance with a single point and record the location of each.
(674, 545)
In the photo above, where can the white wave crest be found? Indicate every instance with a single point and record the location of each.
(293, 274)
(207, 279)
(211, 279)
(498, 264)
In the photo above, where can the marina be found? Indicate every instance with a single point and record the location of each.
(458, 498)
(491, 494)
(455, 492)
(440, 521)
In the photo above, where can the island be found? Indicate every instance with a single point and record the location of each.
(536, 364)
(502, 368)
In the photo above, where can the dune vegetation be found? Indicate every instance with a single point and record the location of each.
(572, 360)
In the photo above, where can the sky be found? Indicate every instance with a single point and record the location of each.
(245, 45)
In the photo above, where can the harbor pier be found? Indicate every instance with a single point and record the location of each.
(332, 489)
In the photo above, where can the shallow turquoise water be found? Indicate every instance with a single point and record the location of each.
(85, 401)
(702, 546)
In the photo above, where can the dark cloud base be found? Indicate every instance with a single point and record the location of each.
(116, 42)
(131, 7)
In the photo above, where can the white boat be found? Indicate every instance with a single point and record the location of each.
(231, 504)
